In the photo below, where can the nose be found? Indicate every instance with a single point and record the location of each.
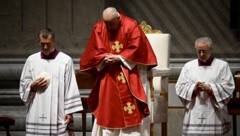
(202, 53)
(45, 46)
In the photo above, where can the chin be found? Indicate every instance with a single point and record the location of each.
(46, 53)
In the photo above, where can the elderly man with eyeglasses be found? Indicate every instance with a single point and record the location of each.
(205, 86)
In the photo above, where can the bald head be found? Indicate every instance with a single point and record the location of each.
(111, 18)
(109, 14)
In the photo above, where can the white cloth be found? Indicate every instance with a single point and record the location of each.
(140, 130)
(206, 115)
(46, 110)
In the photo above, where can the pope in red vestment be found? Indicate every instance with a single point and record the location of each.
(118, 99)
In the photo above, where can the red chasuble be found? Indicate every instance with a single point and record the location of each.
(118, 99)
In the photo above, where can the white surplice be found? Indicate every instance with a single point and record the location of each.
(46, 110)
(205, 115)
(143, 129)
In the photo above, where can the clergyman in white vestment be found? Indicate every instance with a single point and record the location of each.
(49, 89)
(205, 86)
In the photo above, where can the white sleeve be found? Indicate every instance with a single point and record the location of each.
(129, 64)
(72, 100)
(223, 89)
(185, 87)
(25, 82)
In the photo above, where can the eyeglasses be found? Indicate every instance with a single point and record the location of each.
(202, 51)
(45, 43)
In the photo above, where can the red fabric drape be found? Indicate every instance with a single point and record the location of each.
(109, 97)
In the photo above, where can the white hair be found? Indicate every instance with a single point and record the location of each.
(206, 40)
(110, 13)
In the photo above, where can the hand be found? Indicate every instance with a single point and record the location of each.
(198, 87)
(40, 84)
(201, 86)
(111, 59)
(68, 118)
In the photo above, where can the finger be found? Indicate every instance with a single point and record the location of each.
(67, 121)
(40, 79)
(110, 59)
(198, 83)
(42, 83)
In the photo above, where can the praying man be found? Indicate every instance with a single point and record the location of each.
(118, 56)
(205, 86)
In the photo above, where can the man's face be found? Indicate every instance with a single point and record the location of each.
(203, 51)
(47, 45)
(112, 25)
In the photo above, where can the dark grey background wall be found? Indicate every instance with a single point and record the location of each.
(72, 21)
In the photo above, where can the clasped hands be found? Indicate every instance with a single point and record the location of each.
(111, 59)
(201, 86)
